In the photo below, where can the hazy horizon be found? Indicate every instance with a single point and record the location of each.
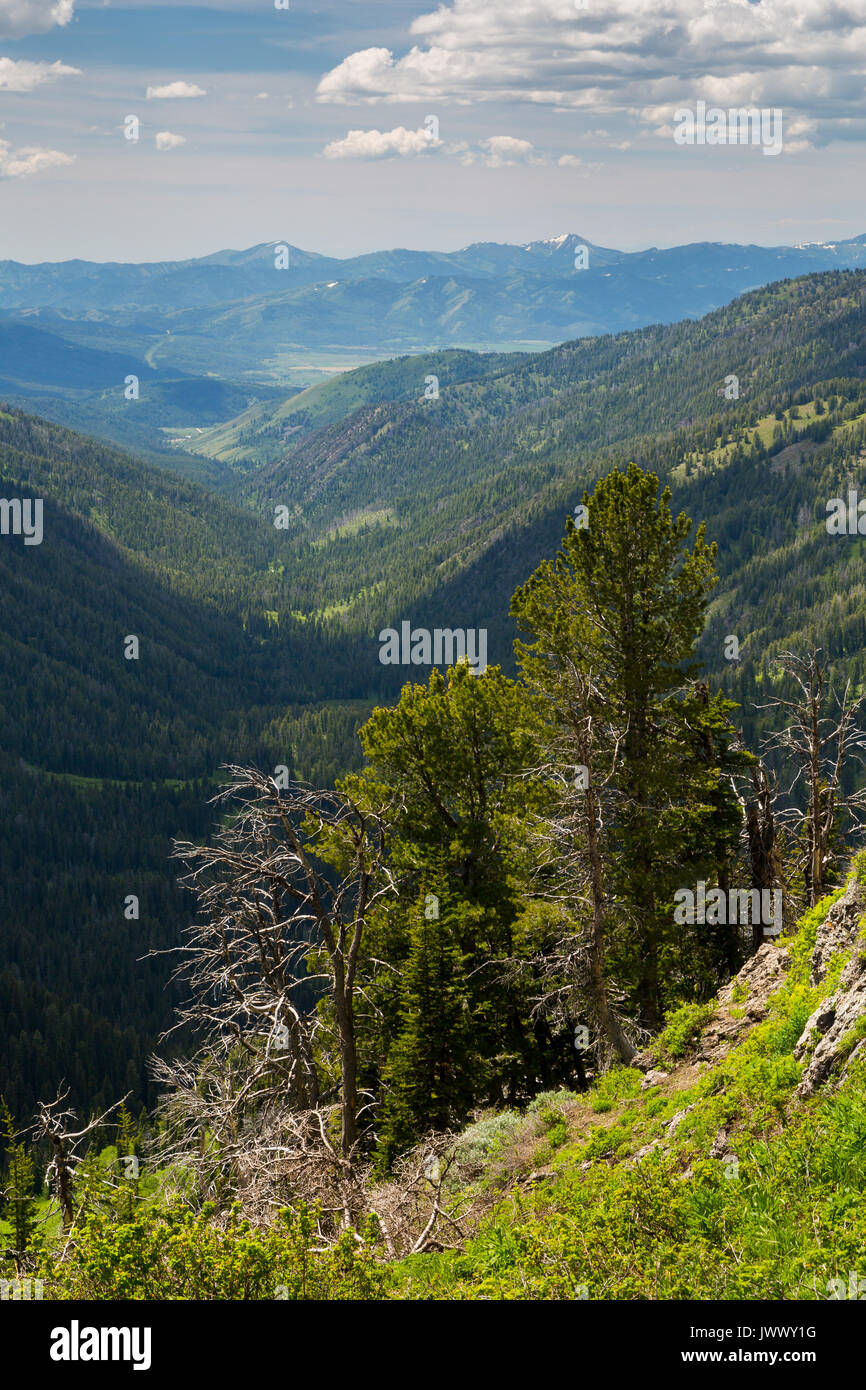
(441, 250)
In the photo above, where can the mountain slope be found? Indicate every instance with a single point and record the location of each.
(105, 760)
(91, 287)
(722, 1174)
(261, 434)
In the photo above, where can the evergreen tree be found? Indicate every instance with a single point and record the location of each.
(19, 1200)
(624, 603)
(449, 771)
(433, 1069)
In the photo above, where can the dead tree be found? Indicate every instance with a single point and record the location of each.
(283, 894)
(268, 1111)
(53, 1123)
(268, 1157)
(820, 739)
(764, 853)
(428, 1202)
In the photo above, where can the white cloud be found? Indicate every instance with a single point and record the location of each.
(165, 140)
(799, 135)
(22, 76)
(806, 56)
(507, 149)
(16, 164)
(587, 167)
(495, 151)
(19, 17)
(175, 91)
(381, 144)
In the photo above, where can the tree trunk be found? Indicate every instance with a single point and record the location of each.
(763, 851)
(64, 1193)
(349, 1068)
(608, 1022)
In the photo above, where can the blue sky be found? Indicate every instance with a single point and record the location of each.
(345, 126)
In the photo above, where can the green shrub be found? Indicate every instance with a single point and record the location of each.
(551, 1100)
(487, 1136)
(682, 1029)
(176, 1254)
(779, 1226)
(619, 1083)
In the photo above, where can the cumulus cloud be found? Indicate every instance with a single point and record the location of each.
(500, 151)
(19, 17)
(495, 151)
(507, 149)
(621, 56)
(30, 159)
(165, 140)
(22, 76)
(176, 91)
(381, 144)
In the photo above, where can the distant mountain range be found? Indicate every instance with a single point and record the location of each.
(705, 269)
(210, 338)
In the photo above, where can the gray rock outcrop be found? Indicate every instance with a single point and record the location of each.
(830, 1038)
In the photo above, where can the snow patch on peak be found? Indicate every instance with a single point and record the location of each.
(550, 241)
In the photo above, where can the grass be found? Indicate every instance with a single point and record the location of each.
(83, 783)
(779, 1223)
(764, 427)
(382, 516)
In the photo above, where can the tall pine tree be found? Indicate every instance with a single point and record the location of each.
(615, 618)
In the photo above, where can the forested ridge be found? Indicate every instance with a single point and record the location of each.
(515, 449)
(259, 645)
